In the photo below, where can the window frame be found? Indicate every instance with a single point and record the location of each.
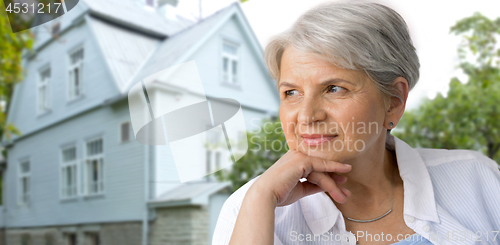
(21, 201)
(89, 236)
(85, 167)
(70, 89)
(208, 160)
(68, 236)
(26, 239)
(130, 133)
(231, 58)
(43, 83)
(63, 165)
(153, 3)
(215, 166)
(55, 28)
(214, 146)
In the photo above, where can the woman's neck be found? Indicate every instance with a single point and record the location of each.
(370, 182)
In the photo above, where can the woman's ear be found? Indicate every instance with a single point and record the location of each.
(397, 106)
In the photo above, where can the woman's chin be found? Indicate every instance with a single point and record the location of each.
(327, 154)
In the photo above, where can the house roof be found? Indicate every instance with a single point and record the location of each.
(171, 50)
(123, 49)
(131, 56)
(132, 66)
(190, 193)
(132, 14)
(122, 29)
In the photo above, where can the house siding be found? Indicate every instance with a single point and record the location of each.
(97, 82)
(256, 90)
(123, 197)
(117, 214)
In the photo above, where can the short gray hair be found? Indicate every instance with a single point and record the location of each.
(359, 36)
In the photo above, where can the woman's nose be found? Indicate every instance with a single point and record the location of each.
(311, 110)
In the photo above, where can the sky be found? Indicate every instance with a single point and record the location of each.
(428, 22)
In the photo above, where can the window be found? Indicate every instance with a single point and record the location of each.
(125, 132)
(209, 161)
(25, 239)
(49, 239)
(213, 137)
(75, 74)
(94, 167)
(213, 160)
(69, 173)
(70, 239)
(43, 90)
(56, 27)
(216, 150)
(93, 239)
(230, 67)
(217, 160)
(1, 189)
(24, 182)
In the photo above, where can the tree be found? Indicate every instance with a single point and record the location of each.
(11, 46)
(469, 117)
(265, 147)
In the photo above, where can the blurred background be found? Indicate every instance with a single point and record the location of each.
(71, 169)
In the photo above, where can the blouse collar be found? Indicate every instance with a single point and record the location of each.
(321, 214)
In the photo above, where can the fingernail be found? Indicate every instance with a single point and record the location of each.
(347, 165)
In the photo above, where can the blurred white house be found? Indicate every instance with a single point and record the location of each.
(76, 175)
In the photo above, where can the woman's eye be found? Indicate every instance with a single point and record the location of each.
(290, 92)
(335, 88)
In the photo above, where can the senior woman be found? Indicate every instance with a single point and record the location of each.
(344, 71)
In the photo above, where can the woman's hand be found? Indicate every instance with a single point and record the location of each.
(279, 186)
(282, 178)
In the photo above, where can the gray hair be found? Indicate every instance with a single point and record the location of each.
(359, 36)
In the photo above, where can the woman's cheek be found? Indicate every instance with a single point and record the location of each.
(288, 126)
(291, 140)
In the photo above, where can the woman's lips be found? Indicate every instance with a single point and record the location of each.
(312, 140)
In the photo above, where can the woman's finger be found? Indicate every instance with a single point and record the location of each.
(338, 178)
(327, 183)
(320, 165)
(310, 188)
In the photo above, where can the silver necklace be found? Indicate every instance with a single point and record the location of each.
(370, 220)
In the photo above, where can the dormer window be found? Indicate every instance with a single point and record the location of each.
(230, 63)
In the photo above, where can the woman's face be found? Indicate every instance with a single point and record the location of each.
(326, 111)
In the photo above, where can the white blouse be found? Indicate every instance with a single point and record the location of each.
(450, 197)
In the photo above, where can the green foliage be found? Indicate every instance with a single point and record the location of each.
(11, 45)
(469, 117)
(265, 147)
